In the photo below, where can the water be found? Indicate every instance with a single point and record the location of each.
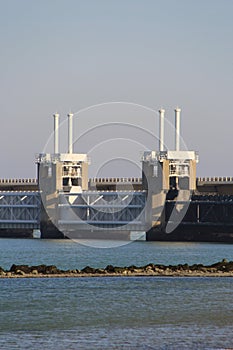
(66, 254)
(114, 312)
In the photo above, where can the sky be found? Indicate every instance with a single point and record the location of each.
(68, 56)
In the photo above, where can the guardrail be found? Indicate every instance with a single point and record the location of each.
(18, 181)
(116, 180)
(215, 179)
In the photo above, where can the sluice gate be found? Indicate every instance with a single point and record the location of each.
(168, 201)
(103, 209)
(20, 213)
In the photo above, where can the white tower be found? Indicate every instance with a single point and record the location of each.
(161, 129)
(56, 131)
(70, 133)
(177, 129)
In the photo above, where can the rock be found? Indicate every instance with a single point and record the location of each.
(132, 268)
(13, 268)
(148, 268)
(40, 268)
(173, 267)
(2, 272)
(186, 267)
(193, 267)
(88, 269)
(110, 268)
(100, 271)
(229, 267)
(224, 265)
(161, 267)
(118, 269)
(46, 269)
(68, 272)
(52, 270)
(23, 268)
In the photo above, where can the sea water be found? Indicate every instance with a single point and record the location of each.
(114, 312)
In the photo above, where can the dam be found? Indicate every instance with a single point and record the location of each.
(168, 202)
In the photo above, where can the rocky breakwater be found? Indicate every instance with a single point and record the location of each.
(223, 268)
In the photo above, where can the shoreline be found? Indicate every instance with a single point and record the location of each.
(27, 276)
(219, 269)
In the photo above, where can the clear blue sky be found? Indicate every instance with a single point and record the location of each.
(67, 55)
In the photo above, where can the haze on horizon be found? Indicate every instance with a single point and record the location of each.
(67, 55)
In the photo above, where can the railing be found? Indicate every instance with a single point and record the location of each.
(117, 180)
(18, 181)
(139, 179)
(215, 179)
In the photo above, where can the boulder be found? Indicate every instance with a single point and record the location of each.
(2, 272)
(109, 268)
(132, 268)
(52, 270)
(24, 268)
(40, 268)
(223, 265)
(100, 271)
(88, 269)
(118, 269)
